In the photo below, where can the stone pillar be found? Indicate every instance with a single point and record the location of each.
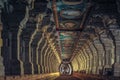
(83, 58)
(91, 57)
(78, 59)
(2, 71)
(34, 58)
(38, 50)
(42, 56)
(101, 53)
(108, 45)
(49, 61)
(75, 64)
(94, 52)
(114, 28)
(28, 66)
(45, 57)
(87, 60)
(15, 63)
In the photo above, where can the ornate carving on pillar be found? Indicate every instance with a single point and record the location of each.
(94, 53)
(114, 28)
(83, 59)
(38, 52)
(89, 58)
(100, 51)
(21, 26)
(108, 44)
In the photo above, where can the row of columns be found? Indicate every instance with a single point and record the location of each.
(21, 55)
(101, 53)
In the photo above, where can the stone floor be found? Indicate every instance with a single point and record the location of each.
(56, 76)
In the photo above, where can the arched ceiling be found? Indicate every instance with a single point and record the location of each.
(66, 24)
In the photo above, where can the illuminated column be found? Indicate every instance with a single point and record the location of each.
(91, 56)
(42, 56)
(94, 53)
(116, 33)
(83, 58)
(88, 50)
(96, 57)
(79, 64)
(2, 73)
(80, 61)
(39, 46)
(45, 58)
(75, 64)
(87, 59)
(101, 53)
(50, 62)
(48, 65)
(108, 45)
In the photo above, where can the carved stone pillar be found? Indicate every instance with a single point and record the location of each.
(87, 60)
(100, 55)
(108, 45)
(16, 67)
(42, 56)
(49, 58)
(51, 63)
(90, 57)
(78, 59)
(81, 66)
(28, 66)
(46, 58)
(34, 58)
(94, 52)
(116, 32)
(38, 52)
(2, 71)
(83, 58)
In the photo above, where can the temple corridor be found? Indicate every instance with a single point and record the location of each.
(59, 39)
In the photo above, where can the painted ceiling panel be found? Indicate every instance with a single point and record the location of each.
(68, 17)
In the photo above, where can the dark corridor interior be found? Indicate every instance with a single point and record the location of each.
(59, 39)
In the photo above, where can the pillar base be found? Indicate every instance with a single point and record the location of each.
(107, 70)
(28, 68)
(2, 72)
(94, 70)
(89, 71)
(36, 68)
(117, 69)
(16, 67)
(100, 70)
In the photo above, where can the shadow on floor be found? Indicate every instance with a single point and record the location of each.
(67, 78)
